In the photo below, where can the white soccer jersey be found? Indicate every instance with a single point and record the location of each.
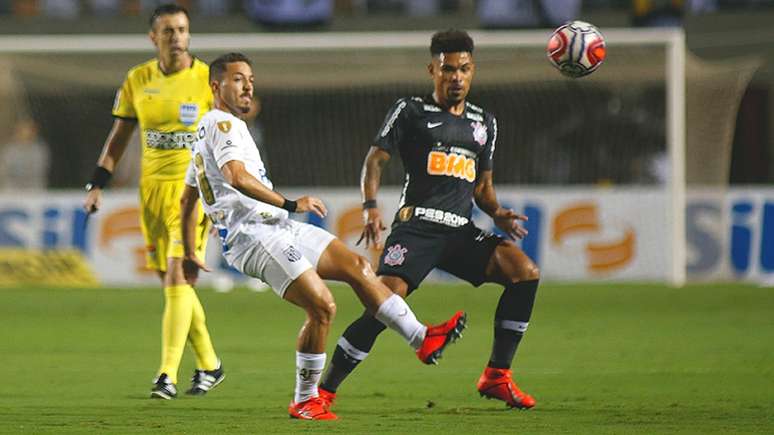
(222, 137)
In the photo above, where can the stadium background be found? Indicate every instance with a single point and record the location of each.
(584, 159)
(320, 109)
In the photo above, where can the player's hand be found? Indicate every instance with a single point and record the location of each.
(93, 200)
(372, 231)
(311, 204)
(508, 221)
(193, 263)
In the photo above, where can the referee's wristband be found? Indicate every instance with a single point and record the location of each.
(290, 206)
(369, 203)
(99, 178)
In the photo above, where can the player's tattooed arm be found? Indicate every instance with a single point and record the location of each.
(188, 217)
(236, 175)
(505, 219)
(370, 181)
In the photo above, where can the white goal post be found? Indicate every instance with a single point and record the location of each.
(671, 40)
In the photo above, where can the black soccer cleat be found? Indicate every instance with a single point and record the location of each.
(163, 388)
(203, 381)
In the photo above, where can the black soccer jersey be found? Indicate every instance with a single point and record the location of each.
(442, 153)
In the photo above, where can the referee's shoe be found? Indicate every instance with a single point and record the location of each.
(163, 388)
(203, 381)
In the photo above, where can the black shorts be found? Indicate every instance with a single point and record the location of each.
(414, 249)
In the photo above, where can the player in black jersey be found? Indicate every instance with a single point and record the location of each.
(446, 145)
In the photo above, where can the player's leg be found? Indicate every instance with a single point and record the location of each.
(356, 343)
(333, 260)
(275, 259)
(492, 259)
(309, 292)
(409, 257)
(510, 267)
(339, 263)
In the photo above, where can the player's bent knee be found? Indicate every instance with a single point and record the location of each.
(525, 272)
(516, 265)
(364, 267)
(360, 270)
(324, 312)
(532, 272)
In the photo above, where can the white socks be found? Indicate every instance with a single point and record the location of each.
(309, 367)
(396, 315)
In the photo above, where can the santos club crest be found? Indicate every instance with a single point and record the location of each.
(479, 132)
(395, 255)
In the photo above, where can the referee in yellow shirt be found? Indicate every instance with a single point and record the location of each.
(167, 96)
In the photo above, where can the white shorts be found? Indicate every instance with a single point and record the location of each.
(277, 252)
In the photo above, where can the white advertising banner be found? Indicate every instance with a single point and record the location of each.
(574, 234)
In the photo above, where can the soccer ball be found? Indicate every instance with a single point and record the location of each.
(576, 49)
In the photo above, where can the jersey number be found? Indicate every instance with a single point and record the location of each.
(204, 183)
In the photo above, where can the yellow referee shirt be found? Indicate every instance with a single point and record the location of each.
(167, 108)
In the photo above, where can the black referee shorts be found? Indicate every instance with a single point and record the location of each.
(413, 249)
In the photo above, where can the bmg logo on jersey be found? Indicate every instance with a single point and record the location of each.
(451, 165)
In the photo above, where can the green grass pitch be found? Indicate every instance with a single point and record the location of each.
(598, 359)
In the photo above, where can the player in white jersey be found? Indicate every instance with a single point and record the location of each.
(261, 241)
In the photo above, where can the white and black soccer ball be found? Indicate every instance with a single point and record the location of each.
(576, 49)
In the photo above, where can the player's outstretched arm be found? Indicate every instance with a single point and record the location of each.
(370, 181)
(505, 219)
(236, 175)
(112, 150)
(188, 217)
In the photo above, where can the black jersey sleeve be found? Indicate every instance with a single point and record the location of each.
(394, 127)
(487, 154)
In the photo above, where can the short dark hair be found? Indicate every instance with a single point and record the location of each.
(167, 9)
(218, 66)
(451, 41)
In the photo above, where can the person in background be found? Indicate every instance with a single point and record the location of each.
(24, 161)
(527, 13)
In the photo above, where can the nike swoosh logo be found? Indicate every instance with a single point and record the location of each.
(433, 124)
(403, 314)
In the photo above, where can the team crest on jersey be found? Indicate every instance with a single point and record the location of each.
(189, 113)
(224, 126)
(479, 132)
(396, 255)
(292, 253)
